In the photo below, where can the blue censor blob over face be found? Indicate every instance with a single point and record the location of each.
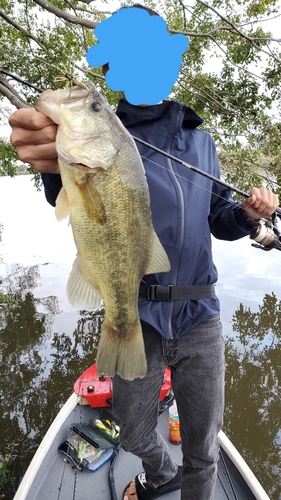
(144, 59)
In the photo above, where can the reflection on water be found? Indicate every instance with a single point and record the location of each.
(45, 343)
(38, 364)
(23, 332)
(253, 389)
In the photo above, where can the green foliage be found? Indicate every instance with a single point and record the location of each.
(8, 159)
(231, 73)
(9, 303)
(6, 475)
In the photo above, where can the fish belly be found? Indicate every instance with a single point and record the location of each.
(113, 253)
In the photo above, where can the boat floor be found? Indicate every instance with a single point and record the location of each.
(57, 480)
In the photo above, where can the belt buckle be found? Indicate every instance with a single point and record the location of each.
(151, 292)
(160, 292)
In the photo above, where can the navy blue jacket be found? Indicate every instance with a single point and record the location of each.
(186, 208)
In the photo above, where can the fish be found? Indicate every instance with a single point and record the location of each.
(106, 196)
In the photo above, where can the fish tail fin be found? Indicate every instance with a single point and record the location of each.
(124, 355)
(132, 359)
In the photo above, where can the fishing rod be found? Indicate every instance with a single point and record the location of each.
(198, 171)
(265, 233)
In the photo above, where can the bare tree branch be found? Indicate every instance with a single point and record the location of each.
(250, 39)
(17, 78)
(94, 11)
(231, 28)
(212, 32)
(72, 27)
(20, 29)
(223, 19)
(208, 95)
(183, 13)
(258, 21)
(88, 72)
(64, 15)
(11, 94)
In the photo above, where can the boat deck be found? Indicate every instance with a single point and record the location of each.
(57, 480)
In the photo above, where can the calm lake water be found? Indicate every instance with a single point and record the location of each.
(45, 343)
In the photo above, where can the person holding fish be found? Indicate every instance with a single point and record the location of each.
(91, 170)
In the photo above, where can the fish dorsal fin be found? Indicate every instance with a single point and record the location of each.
(62, 209)
(91, 199)
(81, 292)
(159, 262)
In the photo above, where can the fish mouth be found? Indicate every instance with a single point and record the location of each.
(64, 97)
(72, 95)
(50, 102)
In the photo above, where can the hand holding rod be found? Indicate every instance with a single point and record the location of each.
(198, 171)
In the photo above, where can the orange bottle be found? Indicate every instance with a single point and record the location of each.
(174, 424)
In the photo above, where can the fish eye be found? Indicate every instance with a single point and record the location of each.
(96, 106)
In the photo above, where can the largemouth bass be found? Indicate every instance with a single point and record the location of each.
(106, 195)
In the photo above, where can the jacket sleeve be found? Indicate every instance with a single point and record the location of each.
(226, 219)
(52, 185)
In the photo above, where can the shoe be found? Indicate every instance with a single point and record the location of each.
(145, 491)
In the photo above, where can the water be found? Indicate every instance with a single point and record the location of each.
(45, 343)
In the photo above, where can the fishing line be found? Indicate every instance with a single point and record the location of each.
(266, 234)
(199, 171)
(232, 202)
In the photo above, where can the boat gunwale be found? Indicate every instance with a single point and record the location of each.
(44, 447)
(242, 467)
(69, 406)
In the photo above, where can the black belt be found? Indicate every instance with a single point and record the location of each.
(170, 292)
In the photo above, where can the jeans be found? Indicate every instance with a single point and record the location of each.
(196, 361)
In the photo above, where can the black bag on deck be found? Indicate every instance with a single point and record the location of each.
(90, 445)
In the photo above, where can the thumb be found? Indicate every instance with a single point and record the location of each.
(248, 202)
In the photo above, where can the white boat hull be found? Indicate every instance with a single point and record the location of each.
(49, 477)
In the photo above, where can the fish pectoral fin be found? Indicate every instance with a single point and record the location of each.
(81, 292)
(62, 209)
(159, 262)
(92, 201)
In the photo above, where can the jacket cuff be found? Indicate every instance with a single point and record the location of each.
(242, 220)
(52, 185)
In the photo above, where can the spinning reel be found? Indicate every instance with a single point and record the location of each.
(266, 234)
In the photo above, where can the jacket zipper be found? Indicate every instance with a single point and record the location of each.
(182, 212)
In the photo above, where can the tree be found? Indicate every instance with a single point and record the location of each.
(253, 389)
(230, 74)
(8, 158)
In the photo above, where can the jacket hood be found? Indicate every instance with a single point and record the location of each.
(131, 115)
